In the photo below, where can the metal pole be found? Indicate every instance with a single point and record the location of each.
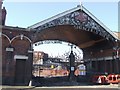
(72, 67)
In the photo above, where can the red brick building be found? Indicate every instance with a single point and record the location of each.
(117, 34)
(39, 57)
(16, 55)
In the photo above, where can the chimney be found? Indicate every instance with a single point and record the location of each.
(4, 12)
(1, 2)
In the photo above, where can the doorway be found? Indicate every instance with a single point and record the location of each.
(20, 71)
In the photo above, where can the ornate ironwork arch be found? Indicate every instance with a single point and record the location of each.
(81, 21)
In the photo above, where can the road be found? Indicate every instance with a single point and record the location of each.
(92, 87)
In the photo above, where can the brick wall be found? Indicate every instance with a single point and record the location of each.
(0, 57)
(20, 47)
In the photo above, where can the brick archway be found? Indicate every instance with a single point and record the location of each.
(75, 26)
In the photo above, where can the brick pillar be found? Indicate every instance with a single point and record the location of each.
(29, 67)
(9, 66)
(0, 56)
(1, 12)
(111, 66)
(1, 42)
(117, 65)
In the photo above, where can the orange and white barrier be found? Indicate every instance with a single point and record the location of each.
(100, 79)
(113, 78)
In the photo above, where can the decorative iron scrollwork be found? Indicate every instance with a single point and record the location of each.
(81, 21)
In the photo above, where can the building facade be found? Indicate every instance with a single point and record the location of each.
(100, 46)
(17, 56)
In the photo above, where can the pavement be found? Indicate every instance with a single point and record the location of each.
(88, 87)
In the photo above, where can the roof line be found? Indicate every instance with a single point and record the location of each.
(99, 22)
(70, 11)
(54, 17)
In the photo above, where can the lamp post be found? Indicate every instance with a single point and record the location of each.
(72, 67)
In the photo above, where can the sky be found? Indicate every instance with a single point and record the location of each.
(26, 13)
(55, 50)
